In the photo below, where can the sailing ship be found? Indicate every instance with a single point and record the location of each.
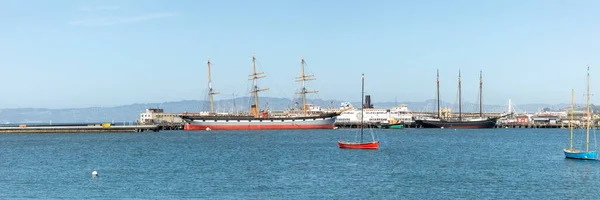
(374, 144)
(261, 120)
(460, 123)
(575, 153)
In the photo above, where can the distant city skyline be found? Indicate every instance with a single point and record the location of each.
(77, 54)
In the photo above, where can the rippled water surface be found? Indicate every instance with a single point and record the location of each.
(410, 164)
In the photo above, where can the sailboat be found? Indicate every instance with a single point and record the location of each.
(575, 153)
(260, 119)
(480, 122)
(374, 144)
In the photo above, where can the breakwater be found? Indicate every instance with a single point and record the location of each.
(78, 129)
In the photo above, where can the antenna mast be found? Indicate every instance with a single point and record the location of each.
(303, 78)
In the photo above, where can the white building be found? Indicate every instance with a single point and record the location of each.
(158, 116)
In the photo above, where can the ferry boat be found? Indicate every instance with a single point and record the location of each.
(262, 119)
(374, 116)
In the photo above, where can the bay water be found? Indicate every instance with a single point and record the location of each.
(296, 164)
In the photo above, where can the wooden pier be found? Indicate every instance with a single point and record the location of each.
(79, 129)
(369, 125)
(170, 126)
(511, 125)
(557, 125)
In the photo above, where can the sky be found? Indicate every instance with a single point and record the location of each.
(70, 54)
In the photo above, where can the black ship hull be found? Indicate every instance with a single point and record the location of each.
(487, 123)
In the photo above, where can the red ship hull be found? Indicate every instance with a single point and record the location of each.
(193, 127)
(351, 145)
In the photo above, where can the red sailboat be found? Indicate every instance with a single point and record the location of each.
(357, 145)
(374, 144)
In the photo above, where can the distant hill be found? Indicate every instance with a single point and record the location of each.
(130, 113)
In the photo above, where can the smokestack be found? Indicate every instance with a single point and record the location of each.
(368, 102)
(254, 110)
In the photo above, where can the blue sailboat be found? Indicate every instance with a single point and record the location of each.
(575, 153)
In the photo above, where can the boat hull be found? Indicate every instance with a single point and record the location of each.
(261, 124)
(353, 145)
(489, 123)
(582, 155)
(395, 126)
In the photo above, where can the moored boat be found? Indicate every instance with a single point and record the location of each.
(375, 116)
(265, 123)
(578, 154)
(357, 145)
(260, 120)
(459, 123)
(456, 124)
(360, 144)
(575, 153)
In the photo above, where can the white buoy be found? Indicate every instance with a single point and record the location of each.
(207, 129)
(94, 174)
(335, 128)
(442, 127)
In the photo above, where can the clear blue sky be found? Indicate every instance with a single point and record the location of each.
(60, 54)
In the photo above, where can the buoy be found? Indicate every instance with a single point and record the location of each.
(442, 127)
(335, 128)
(94, 174)
(207, 129)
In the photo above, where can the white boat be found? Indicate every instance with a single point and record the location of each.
(399, 114)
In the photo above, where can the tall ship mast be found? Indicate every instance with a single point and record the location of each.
(211, 92)
(460, 122)
(439, 112)
(254, 78)
(481, 94)
(459, 99)
(303, 78)
(261, 119)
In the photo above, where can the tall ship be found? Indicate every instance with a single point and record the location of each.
(461, 122)
(261, 119)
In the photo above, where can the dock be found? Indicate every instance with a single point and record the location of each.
(79, 129)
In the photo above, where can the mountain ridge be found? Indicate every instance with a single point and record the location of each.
(130, 113)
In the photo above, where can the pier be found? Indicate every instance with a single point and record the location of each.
(78, 129)
(170, 126)
(563, 126)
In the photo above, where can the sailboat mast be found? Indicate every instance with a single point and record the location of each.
(587, 124)
(362, 110)
(254, 77)
(303, 78)
(571, 122)
(480, 94)
(438, 94)
(303, 89)
(233, 99)
(210, 90)
(459, 99)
